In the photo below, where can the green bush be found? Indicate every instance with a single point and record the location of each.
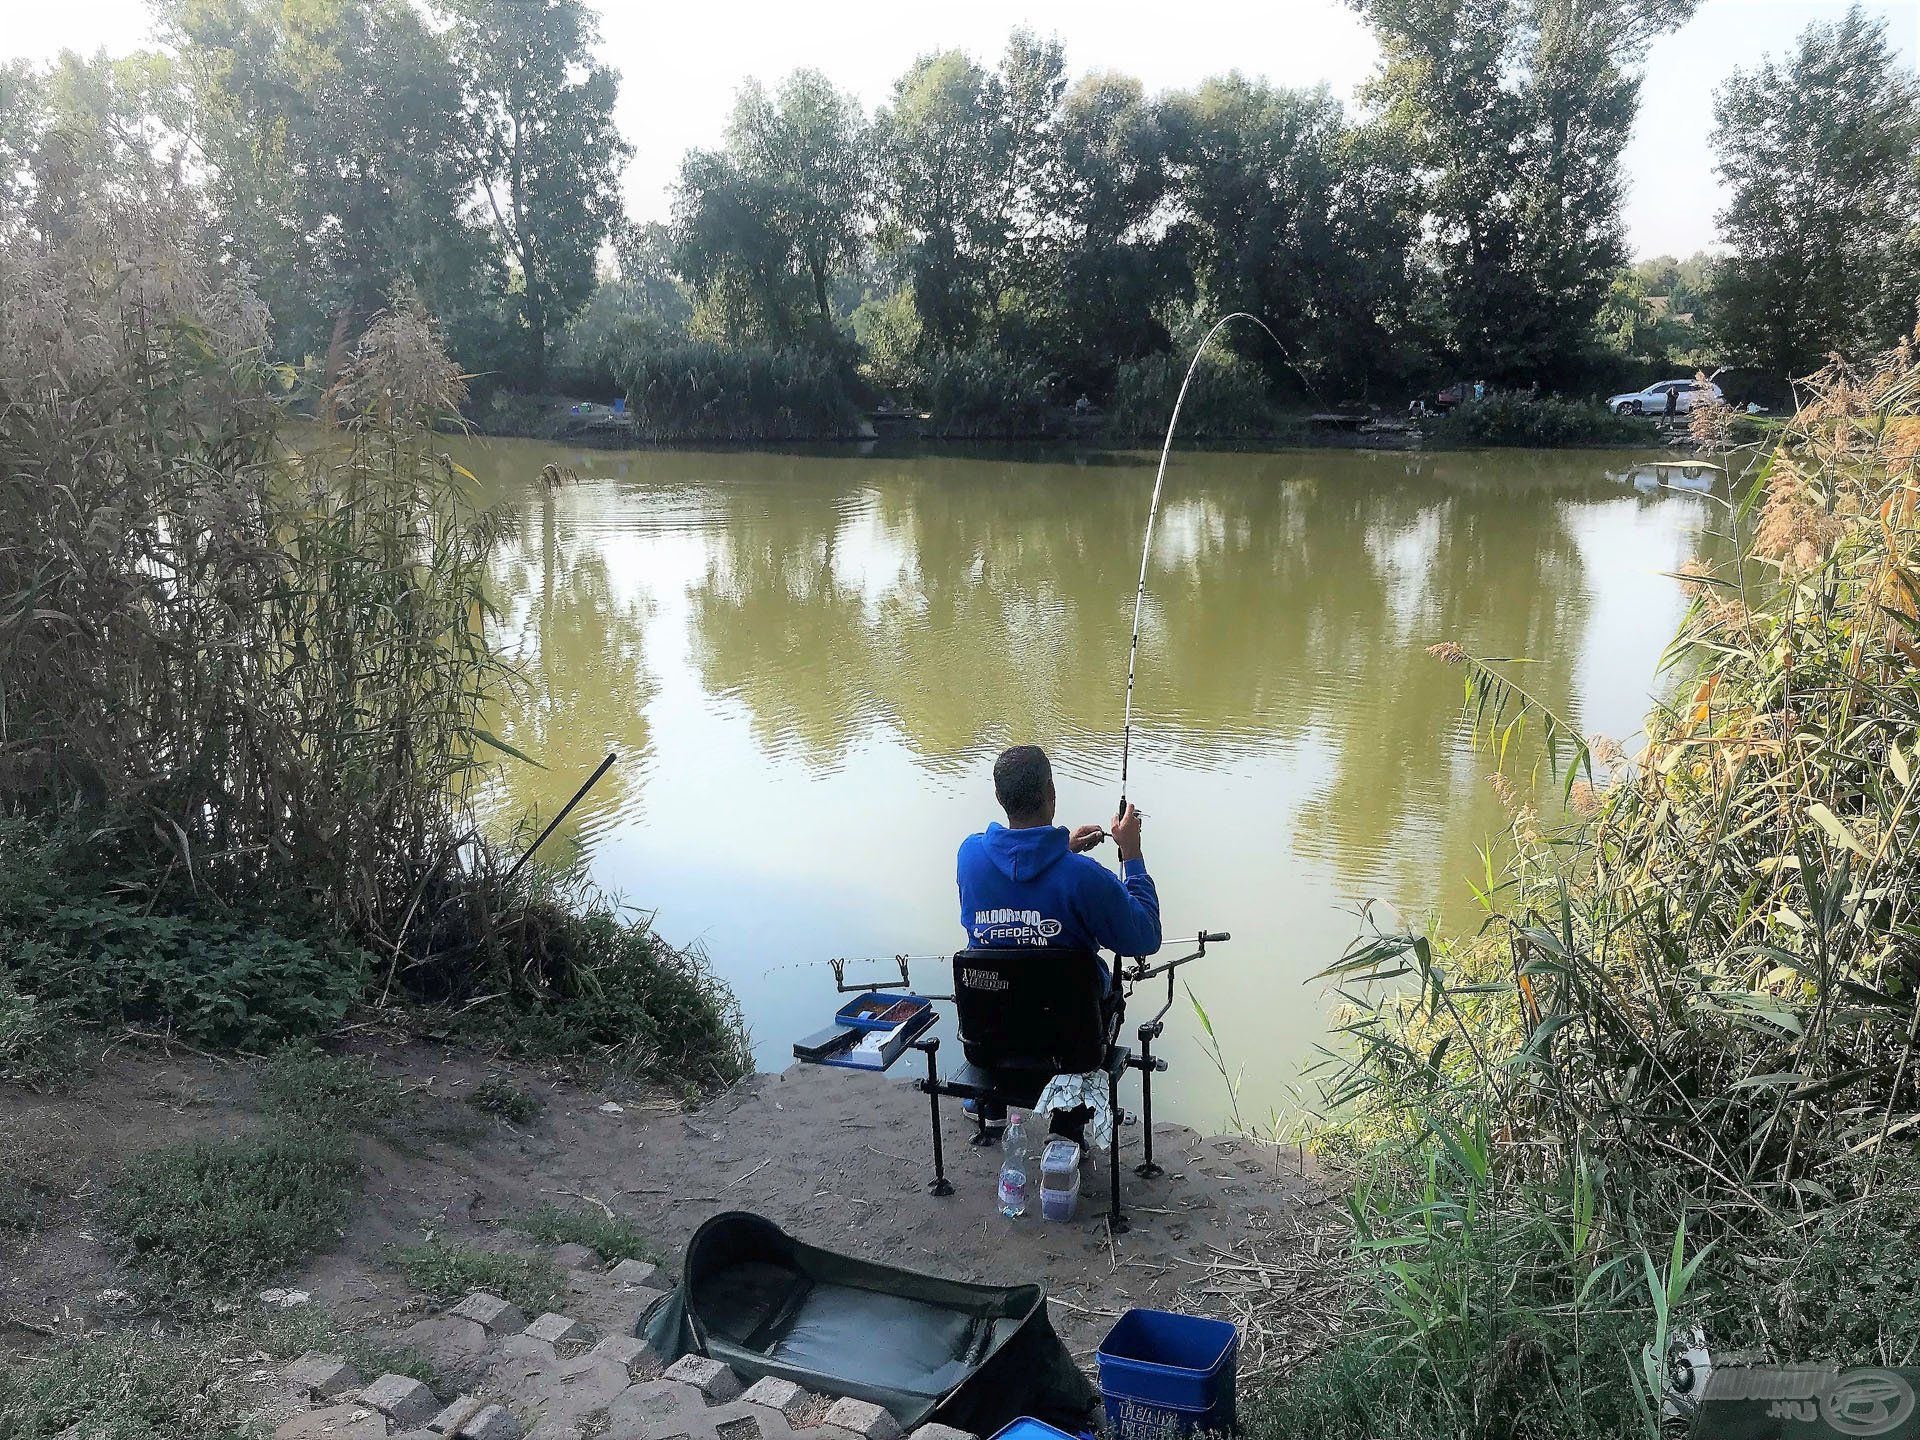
(609, 1236)
(125, 1388)
(116, 956)
(980, 394)
(575, 976)
(452, 1271)
(695, 390)
(1509, 418)
(208, 1219)
(498, 1095)
(332, 1092)
(36, 1042)
(1227, 402)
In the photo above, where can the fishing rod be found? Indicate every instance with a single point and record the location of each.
(565, 810)
(1153, 511)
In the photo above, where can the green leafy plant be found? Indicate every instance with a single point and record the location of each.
(451, 1271)
(208, 1219)
(329, 1092)
(498, 1095)
(612, 1237)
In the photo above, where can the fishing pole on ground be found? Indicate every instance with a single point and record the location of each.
(565, 810)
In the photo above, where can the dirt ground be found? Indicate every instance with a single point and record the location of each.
(1234, 1228)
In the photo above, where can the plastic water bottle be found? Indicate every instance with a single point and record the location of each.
(1013, 1169)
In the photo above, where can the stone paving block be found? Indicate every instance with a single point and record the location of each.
(335, 1422)
(401, 1398)
(492, 1423)
(457, 1348)
(559, 1330)
(708, 1376)
(499, 1317)
(629, 1352)
(633, 1272)
(323, 1376)
(863, 1418)
(657, 1407)
(943, 1432)
(576, 1257)
(776, 1394)
(462, 1409)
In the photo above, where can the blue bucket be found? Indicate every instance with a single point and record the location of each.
(1164, 1376)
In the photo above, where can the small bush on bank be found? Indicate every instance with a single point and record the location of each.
(452, 1272)
(332, 1092)
(215, 1218)
(982, 395)
(498, 1095)
(697, 391)
(36, 1042)
(204, 1381)
(609, 1236)
(1508, 418)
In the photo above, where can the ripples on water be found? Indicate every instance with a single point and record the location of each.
(807, 662)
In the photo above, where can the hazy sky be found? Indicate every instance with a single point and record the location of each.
(681, 63)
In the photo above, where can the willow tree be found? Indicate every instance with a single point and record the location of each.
(542, 149)
(1823, 222)
(1515, 115)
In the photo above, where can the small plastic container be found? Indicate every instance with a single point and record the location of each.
(1059, 1180)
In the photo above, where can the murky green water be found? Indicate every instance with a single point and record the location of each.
(807, 662)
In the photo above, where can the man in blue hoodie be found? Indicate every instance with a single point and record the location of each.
(1031, 882)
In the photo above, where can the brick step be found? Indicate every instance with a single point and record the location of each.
(567, 1375)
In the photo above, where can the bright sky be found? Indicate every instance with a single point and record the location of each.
(681, 63)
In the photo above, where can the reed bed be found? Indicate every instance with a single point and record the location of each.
(1671, 1080)
(243, 674)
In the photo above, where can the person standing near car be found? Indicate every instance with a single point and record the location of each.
(1673, 400)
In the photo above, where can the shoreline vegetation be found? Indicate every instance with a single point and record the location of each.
(1001, 244)
(1659, 1100)
(240, 724)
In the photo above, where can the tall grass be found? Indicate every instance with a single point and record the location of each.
(241, 679)
(1227, 403)
(1679, 1054)
(980, 394)
(695, 390)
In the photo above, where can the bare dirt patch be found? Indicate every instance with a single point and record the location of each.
(1234, 1228)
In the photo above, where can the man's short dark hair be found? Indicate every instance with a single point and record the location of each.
(1020, 779)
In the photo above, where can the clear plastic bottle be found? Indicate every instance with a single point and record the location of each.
(1014, 1167)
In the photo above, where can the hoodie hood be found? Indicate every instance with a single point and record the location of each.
(1026, 853)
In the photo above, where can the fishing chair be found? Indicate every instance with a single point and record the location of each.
(1026, 1014)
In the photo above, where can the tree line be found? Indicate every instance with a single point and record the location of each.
(1005, 229)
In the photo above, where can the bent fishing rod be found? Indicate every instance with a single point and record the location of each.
(1153, 511)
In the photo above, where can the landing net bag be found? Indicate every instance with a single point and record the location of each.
(927, 1349)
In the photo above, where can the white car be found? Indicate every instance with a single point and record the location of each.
(1653, 400)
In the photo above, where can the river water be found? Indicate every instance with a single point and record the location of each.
(807, 661)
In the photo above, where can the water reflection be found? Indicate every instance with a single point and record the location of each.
(811, 657)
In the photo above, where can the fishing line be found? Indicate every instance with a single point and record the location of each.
(1153, 511)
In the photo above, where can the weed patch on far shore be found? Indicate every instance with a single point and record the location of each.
(609, 1236)
(453, 1271)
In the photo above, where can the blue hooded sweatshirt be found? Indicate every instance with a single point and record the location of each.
(1025, 887)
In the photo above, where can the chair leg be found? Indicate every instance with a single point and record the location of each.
(938, 1185)
(1116, 1218)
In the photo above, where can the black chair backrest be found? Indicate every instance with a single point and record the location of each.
(1031, 1008)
